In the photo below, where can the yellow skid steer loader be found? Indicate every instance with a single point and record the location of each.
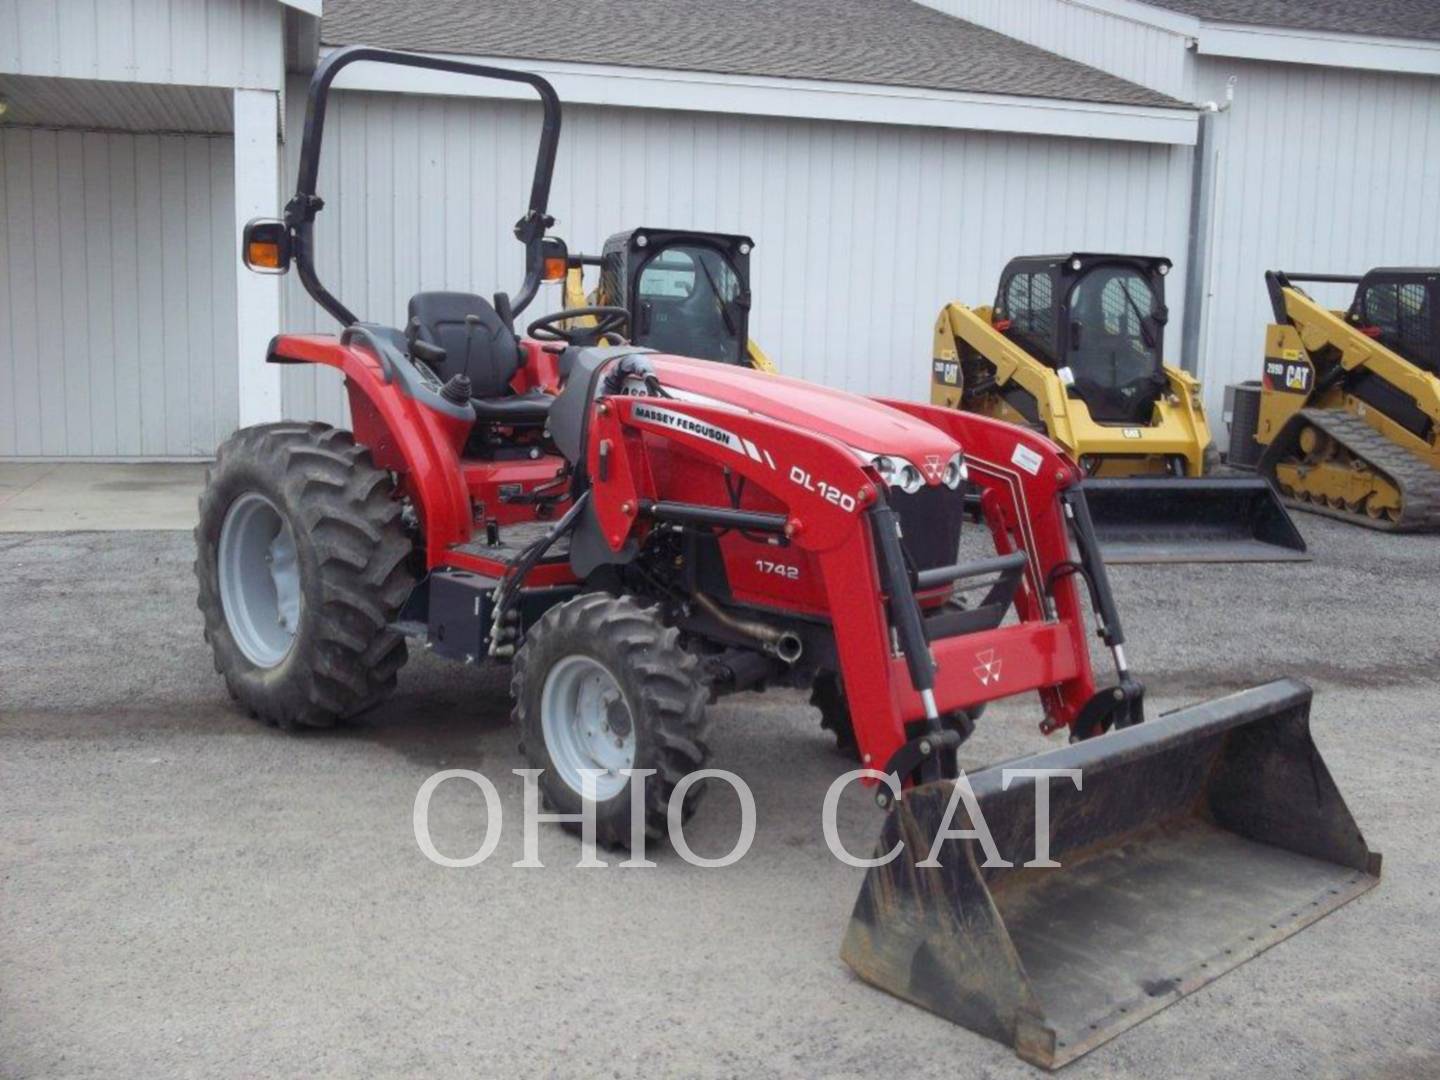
(1346, 419)
(1073, 348)
(687, 292)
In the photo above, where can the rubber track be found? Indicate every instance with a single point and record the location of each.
(1418, 483)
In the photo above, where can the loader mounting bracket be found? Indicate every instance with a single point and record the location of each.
(1119, 706)
(928, 757)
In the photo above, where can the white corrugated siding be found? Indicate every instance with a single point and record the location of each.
(193, 42)
(1319, 170)
(862, 231)
(1132, 50)
(117, 294)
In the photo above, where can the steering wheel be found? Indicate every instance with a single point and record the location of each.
(608, 323)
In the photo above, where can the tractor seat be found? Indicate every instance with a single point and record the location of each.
(481, 347)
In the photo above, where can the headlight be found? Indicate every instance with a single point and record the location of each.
(898, 473)
(910, 479)
(955, 472)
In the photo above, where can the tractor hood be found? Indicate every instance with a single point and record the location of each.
(859, 422)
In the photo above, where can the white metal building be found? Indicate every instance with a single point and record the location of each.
(886, 156)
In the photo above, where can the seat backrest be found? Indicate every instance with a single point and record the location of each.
(477, 343)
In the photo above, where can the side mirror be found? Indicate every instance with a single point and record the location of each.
(554, 259)
(265, 246)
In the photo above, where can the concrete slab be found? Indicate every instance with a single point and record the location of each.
(16, 476)
(69, 497)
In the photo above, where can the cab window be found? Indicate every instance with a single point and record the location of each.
(1402, 313)
(1029, 305)
(690, 304)
(1115, 335)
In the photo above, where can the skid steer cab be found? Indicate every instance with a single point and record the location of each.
(688, 292)
(636, 533)
(1074, 347)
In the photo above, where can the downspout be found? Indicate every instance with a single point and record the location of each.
(1197, 253)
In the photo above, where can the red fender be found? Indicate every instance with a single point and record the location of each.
(420, 445)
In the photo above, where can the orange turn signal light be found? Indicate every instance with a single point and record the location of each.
(265, 246)
(263, 253)
(555, 267)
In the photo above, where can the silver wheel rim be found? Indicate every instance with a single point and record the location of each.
(259, 579)
(587, 724)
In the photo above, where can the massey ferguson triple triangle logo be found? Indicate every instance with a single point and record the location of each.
(933, 468)
(989, 669)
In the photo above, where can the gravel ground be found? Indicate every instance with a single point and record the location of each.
(186, 892)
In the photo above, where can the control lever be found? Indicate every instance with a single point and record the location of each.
(472, 321)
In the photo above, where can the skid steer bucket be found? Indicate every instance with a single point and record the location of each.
(1205, 519)
(1196, 841)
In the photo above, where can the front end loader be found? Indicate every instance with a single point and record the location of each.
(636, 533)
(1073, 347)
(1348, 419)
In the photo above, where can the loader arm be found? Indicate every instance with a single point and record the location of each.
(827, 509)
(960, 324)
(1320, 328)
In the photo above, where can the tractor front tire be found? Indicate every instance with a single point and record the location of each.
(602, 684)
(828, 695)
(303, 563)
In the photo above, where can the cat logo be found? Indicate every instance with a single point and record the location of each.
(1288, 376)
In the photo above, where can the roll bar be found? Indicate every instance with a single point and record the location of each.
(300, 211)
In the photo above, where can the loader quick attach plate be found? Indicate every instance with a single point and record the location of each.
(1197, 841)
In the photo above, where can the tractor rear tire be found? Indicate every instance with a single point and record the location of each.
(601, 683)
(335, 525)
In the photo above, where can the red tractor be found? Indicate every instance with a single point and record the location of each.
(637, 533)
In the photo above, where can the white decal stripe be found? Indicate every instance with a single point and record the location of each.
(1017, 492)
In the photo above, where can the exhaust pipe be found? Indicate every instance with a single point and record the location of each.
(783, 644)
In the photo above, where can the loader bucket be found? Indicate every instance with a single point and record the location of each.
(1198, 841)
(1205, 519)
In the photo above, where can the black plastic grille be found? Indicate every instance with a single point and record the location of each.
(929, 524)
